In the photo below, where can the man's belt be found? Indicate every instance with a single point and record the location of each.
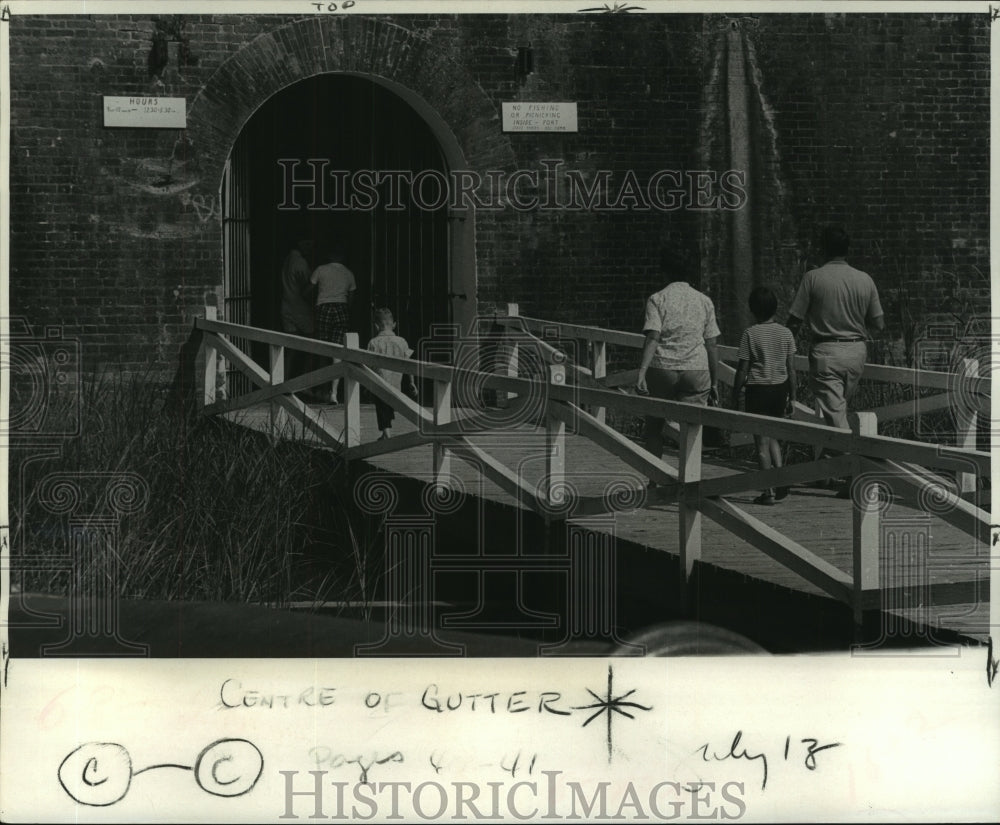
(838, 340)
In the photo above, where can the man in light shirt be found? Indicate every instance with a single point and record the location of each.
(841, 307)
(680, 356)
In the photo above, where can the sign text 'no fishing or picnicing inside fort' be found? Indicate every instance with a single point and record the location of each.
(530, 116)
(142, 112)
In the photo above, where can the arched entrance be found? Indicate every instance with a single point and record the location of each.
(312, 162)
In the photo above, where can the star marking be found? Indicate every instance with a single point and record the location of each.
(610, 704)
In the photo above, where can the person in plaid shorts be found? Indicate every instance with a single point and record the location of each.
(335, 286)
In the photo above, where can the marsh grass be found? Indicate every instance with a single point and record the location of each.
(222, 512)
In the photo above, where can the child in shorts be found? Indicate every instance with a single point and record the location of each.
(766, 369)
(386, 342)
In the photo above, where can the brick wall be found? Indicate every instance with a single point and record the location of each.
(880, 121)
(884, 125)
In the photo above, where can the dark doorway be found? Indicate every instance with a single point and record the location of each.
(399, 256)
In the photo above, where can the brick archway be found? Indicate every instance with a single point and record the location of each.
(458, 111)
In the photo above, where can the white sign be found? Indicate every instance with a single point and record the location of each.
(531, 116)
(145, 112)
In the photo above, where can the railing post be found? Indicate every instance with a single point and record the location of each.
(352, 398)
(865, 523)
(277, 376)
(817, 449)
(967, 422)
(508, 361)
(689, 516)
(599, 367)
(555, 444)
(442, 415)
(211, 357)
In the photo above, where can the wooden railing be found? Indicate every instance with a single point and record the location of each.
(924, 379)
(597, 339)
(571, 394)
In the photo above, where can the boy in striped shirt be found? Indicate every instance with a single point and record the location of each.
(766, 369)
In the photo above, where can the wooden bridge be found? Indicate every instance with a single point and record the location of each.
(913, 539)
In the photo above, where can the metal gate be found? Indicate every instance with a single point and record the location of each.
(400, 254)
(410, 250)
(236, 253)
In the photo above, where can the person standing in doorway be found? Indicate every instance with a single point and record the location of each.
(335, 286)
(297, 303)
(680, 358)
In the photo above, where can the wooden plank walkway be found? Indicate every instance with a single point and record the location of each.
(814, 517)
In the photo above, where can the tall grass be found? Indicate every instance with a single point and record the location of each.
(229, 514)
